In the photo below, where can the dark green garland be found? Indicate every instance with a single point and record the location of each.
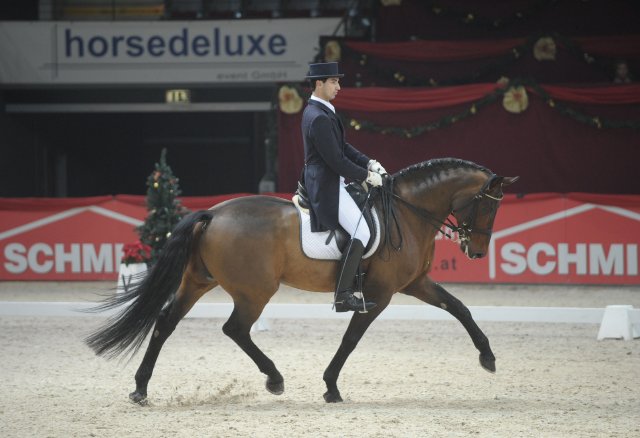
(474, 107)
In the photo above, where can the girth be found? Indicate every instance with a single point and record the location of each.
(359, 195)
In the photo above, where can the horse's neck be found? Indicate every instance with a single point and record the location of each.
(437, 193)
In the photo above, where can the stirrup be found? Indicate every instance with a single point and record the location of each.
(347, 302)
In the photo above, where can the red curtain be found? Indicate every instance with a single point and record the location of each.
(375, 99)
(551, 152)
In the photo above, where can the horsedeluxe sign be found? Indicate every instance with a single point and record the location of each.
(540, 239)
(159, 52)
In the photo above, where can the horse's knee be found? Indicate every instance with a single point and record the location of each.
(230, 329)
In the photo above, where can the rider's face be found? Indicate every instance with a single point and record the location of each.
(328, 89)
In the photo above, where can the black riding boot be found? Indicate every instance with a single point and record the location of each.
(345, 300)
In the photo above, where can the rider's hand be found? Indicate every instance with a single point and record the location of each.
(376, 167)
(375, 179)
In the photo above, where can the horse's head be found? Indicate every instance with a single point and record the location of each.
(475, 215)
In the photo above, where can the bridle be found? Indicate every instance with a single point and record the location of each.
(465, 229)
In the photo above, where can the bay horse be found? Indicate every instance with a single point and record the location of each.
(250, 245)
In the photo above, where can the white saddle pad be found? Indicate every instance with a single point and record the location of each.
(315, 246)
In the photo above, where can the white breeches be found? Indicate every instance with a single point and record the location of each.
(349, 215)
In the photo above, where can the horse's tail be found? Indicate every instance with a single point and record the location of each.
(126, 331)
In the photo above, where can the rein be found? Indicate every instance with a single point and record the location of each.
(464, 230)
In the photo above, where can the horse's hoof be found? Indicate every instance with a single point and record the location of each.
(488, 363)
(138, 397)
(331, 397)
(276, 388)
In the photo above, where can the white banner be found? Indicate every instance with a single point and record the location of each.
(159, 52)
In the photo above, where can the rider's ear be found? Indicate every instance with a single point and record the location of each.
(508, 180)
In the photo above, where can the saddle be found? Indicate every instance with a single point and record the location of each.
(342, 238)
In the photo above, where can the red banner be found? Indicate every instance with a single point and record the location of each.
(543, 238)
(579, 239)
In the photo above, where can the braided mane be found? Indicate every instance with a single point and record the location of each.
(432, 168)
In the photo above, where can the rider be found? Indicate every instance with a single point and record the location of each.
(329, 159)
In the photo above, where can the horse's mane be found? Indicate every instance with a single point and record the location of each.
(432, 168)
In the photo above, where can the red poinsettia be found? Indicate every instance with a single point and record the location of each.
(136, 252)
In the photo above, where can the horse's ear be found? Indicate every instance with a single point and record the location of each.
(508, 180)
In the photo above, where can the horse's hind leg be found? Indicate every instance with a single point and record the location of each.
(188, 293)
(434, 294)
(238, 328)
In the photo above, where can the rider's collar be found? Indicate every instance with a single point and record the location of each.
(324, 102)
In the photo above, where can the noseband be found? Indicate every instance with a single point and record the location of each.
(464, 229)
(467, 227)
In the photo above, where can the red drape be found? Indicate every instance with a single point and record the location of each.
(374, 99)
(377, 99)
(551, 152)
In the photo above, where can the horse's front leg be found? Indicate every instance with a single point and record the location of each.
(358, 325)
(432, 293)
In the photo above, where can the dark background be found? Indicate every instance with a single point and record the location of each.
(85, 154)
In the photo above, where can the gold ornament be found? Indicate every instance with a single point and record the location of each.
(545, 49)
(290, 100)
(473, 109)
(503, 81)
(597, 122)
(515, 100)
(332, 51)
(168, 234)
(156, 185)
(551, 103)
(399, 77)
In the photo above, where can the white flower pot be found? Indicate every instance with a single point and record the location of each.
(130, 274)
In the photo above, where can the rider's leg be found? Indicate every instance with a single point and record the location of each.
(350, 219)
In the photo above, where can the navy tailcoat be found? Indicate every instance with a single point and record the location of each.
(327, 157)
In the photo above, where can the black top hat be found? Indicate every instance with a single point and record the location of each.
(323, 70)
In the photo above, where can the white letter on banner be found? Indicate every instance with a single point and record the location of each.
(579, 258)
(613, 263)
(32, 256)
(72, 257)
(632, 259)
(513, 252)
(101, 262)
(15, 254)
(532, 258)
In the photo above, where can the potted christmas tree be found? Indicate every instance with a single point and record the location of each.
(164, 212)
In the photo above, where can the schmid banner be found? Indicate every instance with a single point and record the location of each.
(581, 239)
(544, 238)
(160, 52)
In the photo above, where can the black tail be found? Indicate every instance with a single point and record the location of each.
(126, 331)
